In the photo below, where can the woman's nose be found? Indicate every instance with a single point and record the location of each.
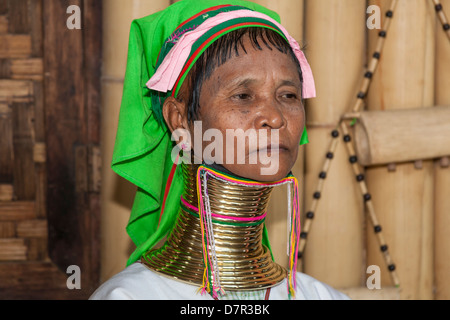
(270, 115)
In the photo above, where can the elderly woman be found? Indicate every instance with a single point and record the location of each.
(211, 121)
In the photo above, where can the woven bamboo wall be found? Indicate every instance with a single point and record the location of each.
(37, 177)
(23, 224)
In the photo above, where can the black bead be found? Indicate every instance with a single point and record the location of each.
(299, 254)
(376, 55)
(382, 34)
(384, 248)
(353, 159)
(446, 26)
(391, 267)
(317, 195)
(347, 138)
(360, 177)
(389, 14)
(303, 235)
(335, 133)
(438, 7)
(322, 175)
(330, 155)
(310, 215)
(377, 229)
(367, 197)
(361, 95)
(368, 74)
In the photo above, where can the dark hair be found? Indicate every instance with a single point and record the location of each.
(223, 49)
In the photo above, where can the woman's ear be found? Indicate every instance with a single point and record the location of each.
(175, 114)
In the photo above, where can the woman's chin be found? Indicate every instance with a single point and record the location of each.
(259, 172)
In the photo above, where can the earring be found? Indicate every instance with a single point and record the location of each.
(185, 146)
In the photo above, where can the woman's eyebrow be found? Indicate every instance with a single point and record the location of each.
(248, 82)
(292, 83)
(243, 82)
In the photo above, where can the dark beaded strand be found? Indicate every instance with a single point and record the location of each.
(361, 95)
(368, 201)
(442, 17)
(368, 75)
(317, 194)
(335, 133)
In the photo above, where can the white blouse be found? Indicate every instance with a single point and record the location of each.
(137, 282)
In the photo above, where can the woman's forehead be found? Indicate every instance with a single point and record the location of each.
(251, 66)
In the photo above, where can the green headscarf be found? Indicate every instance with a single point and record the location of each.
(143, 144)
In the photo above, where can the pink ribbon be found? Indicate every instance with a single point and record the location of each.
(168, 72)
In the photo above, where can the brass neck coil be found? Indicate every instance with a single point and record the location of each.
(244, 262)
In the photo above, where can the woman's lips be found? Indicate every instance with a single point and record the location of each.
(271, 148)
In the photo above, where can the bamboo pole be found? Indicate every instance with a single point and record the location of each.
(403, 196)
(375, 130)
(117, 194)
(442, 167)
(332, 238)
(291, 13)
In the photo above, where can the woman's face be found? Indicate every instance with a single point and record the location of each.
(251, 107)
(253, 101)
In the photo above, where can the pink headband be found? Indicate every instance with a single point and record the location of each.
(168, 72)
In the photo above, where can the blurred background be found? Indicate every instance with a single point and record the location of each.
(375, 176)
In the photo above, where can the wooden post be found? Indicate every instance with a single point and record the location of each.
(403, 197)
(333, 224)
(72, 110)
(442, 168)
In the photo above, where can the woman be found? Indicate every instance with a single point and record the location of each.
(215, 129)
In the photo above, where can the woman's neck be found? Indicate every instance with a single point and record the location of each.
(237, 213)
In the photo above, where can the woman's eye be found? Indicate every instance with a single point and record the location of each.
(290, 96)
(242, 96)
